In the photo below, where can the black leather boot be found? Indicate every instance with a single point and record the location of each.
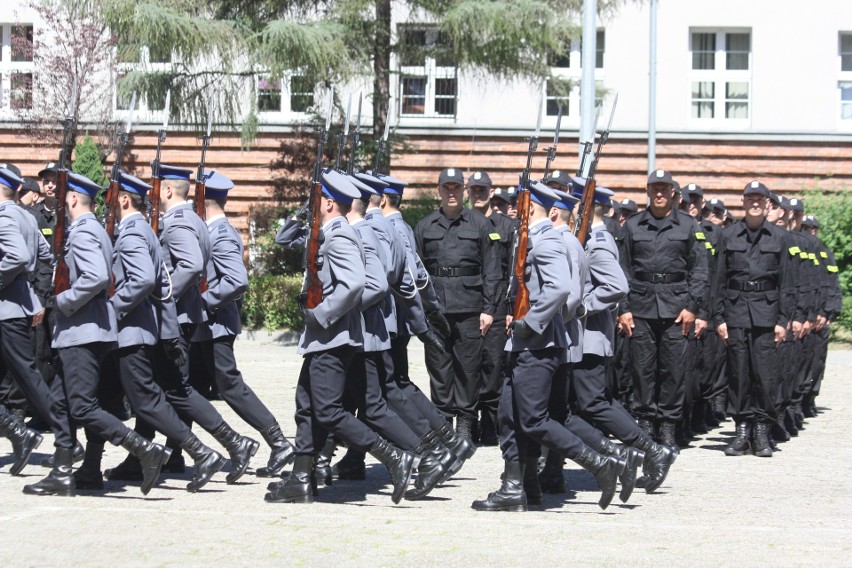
(799, 416)
(24, 441)
(720, 407)
(606, 470)
(297, 488)
(762, 449)
(89, 476)
(435, 460)
(322, 467)
(667, 434)
(646, 426)
(461, 447)
(400, 464)
(351, 466)
(655, 467)
(809, 408)
(510, 496)
(60, 480)
(532, 489)
(710, 418)
(151, 457)
(464, 426)
(240, 449)
(283, 452)
(741, 445)
(78, 455)
(790, 423)
(207, 462)
(127, 470)
(777, 430)
(633, 457)
(552, 477)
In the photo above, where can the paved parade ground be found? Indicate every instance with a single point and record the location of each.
(791, 510)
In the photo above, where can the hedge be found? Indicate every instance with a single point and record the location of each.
(272, 302)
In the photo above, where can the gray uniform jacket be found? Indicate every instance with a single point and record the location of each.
(375, 309)
(421, 278)
(137, 265)
(341, 260)
(605, 286)
(579, 274)
(227, 281)
(401, 283)
(84, 314)
(546, 273)
(22, 248)
(186, 250)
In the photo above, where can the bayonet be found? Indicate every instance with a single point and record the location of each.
(341, 138)
(356, 137)
(551, 152)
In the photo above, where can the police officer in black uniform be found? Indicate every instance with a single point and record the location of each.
(480, 193)
(464, 264)
(666, 265)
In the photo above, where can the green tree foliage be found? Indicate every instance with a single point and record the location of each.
(87, 161)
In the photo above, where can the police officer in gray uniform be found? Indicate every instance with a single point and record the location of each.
(536, 346)
(227, 280)
(464, 265)
(138, 268)
(185, 243)
(84, 331)
(333, 335)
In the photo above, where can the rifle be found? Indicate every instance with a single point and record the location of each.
(200, 184)
(521, 240)
(356, 138)
(383, 141)
(551, 151)
(111, 200)
(585, 213)
(341, 138)
(61, 272)
(154, 198)
(311, 294)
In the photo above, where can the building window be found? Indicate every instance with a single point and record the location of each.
(293, 94)
(16, 66)
(143, 58)
(846, 100)
(844, 85)
(846, 51)
(720, 77)
(566, 71)
(428, 79)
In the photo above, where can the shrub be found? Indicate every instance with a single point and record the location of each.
(272, 302)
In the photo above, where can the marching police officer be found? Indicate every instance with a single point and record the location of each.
(459, 254)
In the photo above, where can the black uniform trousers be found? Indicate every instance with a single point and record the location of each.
(714, 379)
(454, 376)
(74, 396)
(319, 403)
(366, 380)
(657, 350)
(405, 397)
(17, 360)
(817, 371)
(753, 367)
(493, 368)
(218, 357)
(787, 354)
(621, 379)
(523, 416)
(595, 402)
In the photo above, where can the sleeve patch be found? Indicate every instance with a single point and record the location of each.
(494, 236)
(794, 251)
(831, 268)
(823, 254)
(700, 236)
(803, 255)
(48, 231)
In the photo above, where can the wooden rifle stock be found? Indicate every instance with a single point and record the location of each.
(587, 210)
(200, 190)
(111, 203)
(312, 294)
(61, 274)
(154, 199)
(522, 293)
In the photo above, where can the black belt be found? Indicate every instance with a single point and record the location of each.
(752, 285)
(450, 271)
(660, 277)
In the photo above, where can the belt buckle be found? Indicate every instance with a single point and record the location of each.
(443, 271)
(753, 286)
(659, 278)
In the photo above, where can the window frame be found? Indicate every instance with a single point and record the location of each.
(432, 71)
(843, 78)
(8, 68)
(143, 112)
(574, 73)
(285, 113)
(721, 77)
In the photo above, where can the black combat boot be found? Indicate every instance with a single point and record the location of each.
(283, 452)
(606, 470)
(532, 489)
(646, 426)
(710, 418)
(740, 446)
(60, 480)
(322, 467)
(762, 449)
(460, 446)
(720, 407)
(351, 466)
(400, 463)
(24, 441)
(777, 430)
(207, 462)
(552, 478)
(799, 416)
(633, 457)
(78, 455)
(655, 467)
(464, 426)
(89, 476)
(790, 422)
(809, 408)
(510, 496)
(151, 457)
(435, 461)
(127, 470)
(240, 449)
(667, 435)
(297, 488)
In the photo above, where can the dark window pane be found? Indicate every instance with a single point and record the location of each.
(846, 52)
(413, 95)
(156, 101)
(22, 43)
(563, 60)
(159, 54)
(599, 48)
(268, 96)
(122, 102)
(21, 95)
(412, 43)
(442, 51)
(301, 93)
(553, 106)
(129, 54)
(737, 47)
(703, 51)
(445, 97)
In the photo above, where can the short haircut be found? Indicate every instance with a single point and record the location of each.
(85, 200)
(181, 186)
(344, 208)
(219, 202)
(137, 201)
(360, 206)
(375, 200)
(394, 200)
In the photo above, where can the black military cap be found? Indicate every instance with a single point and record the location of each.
(755, 187)
(693, 189)
(810, 221)
(29, 185)
(797, 205)
(616, 206)
(775, 198)
(508, 195)
(662, 176)
(51, 167)
(629, 205)
(717, 205)
(561, 177)
(479, 179)
(450, 175)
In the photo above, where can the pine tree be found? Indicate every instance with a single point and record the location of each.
(87, 161)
